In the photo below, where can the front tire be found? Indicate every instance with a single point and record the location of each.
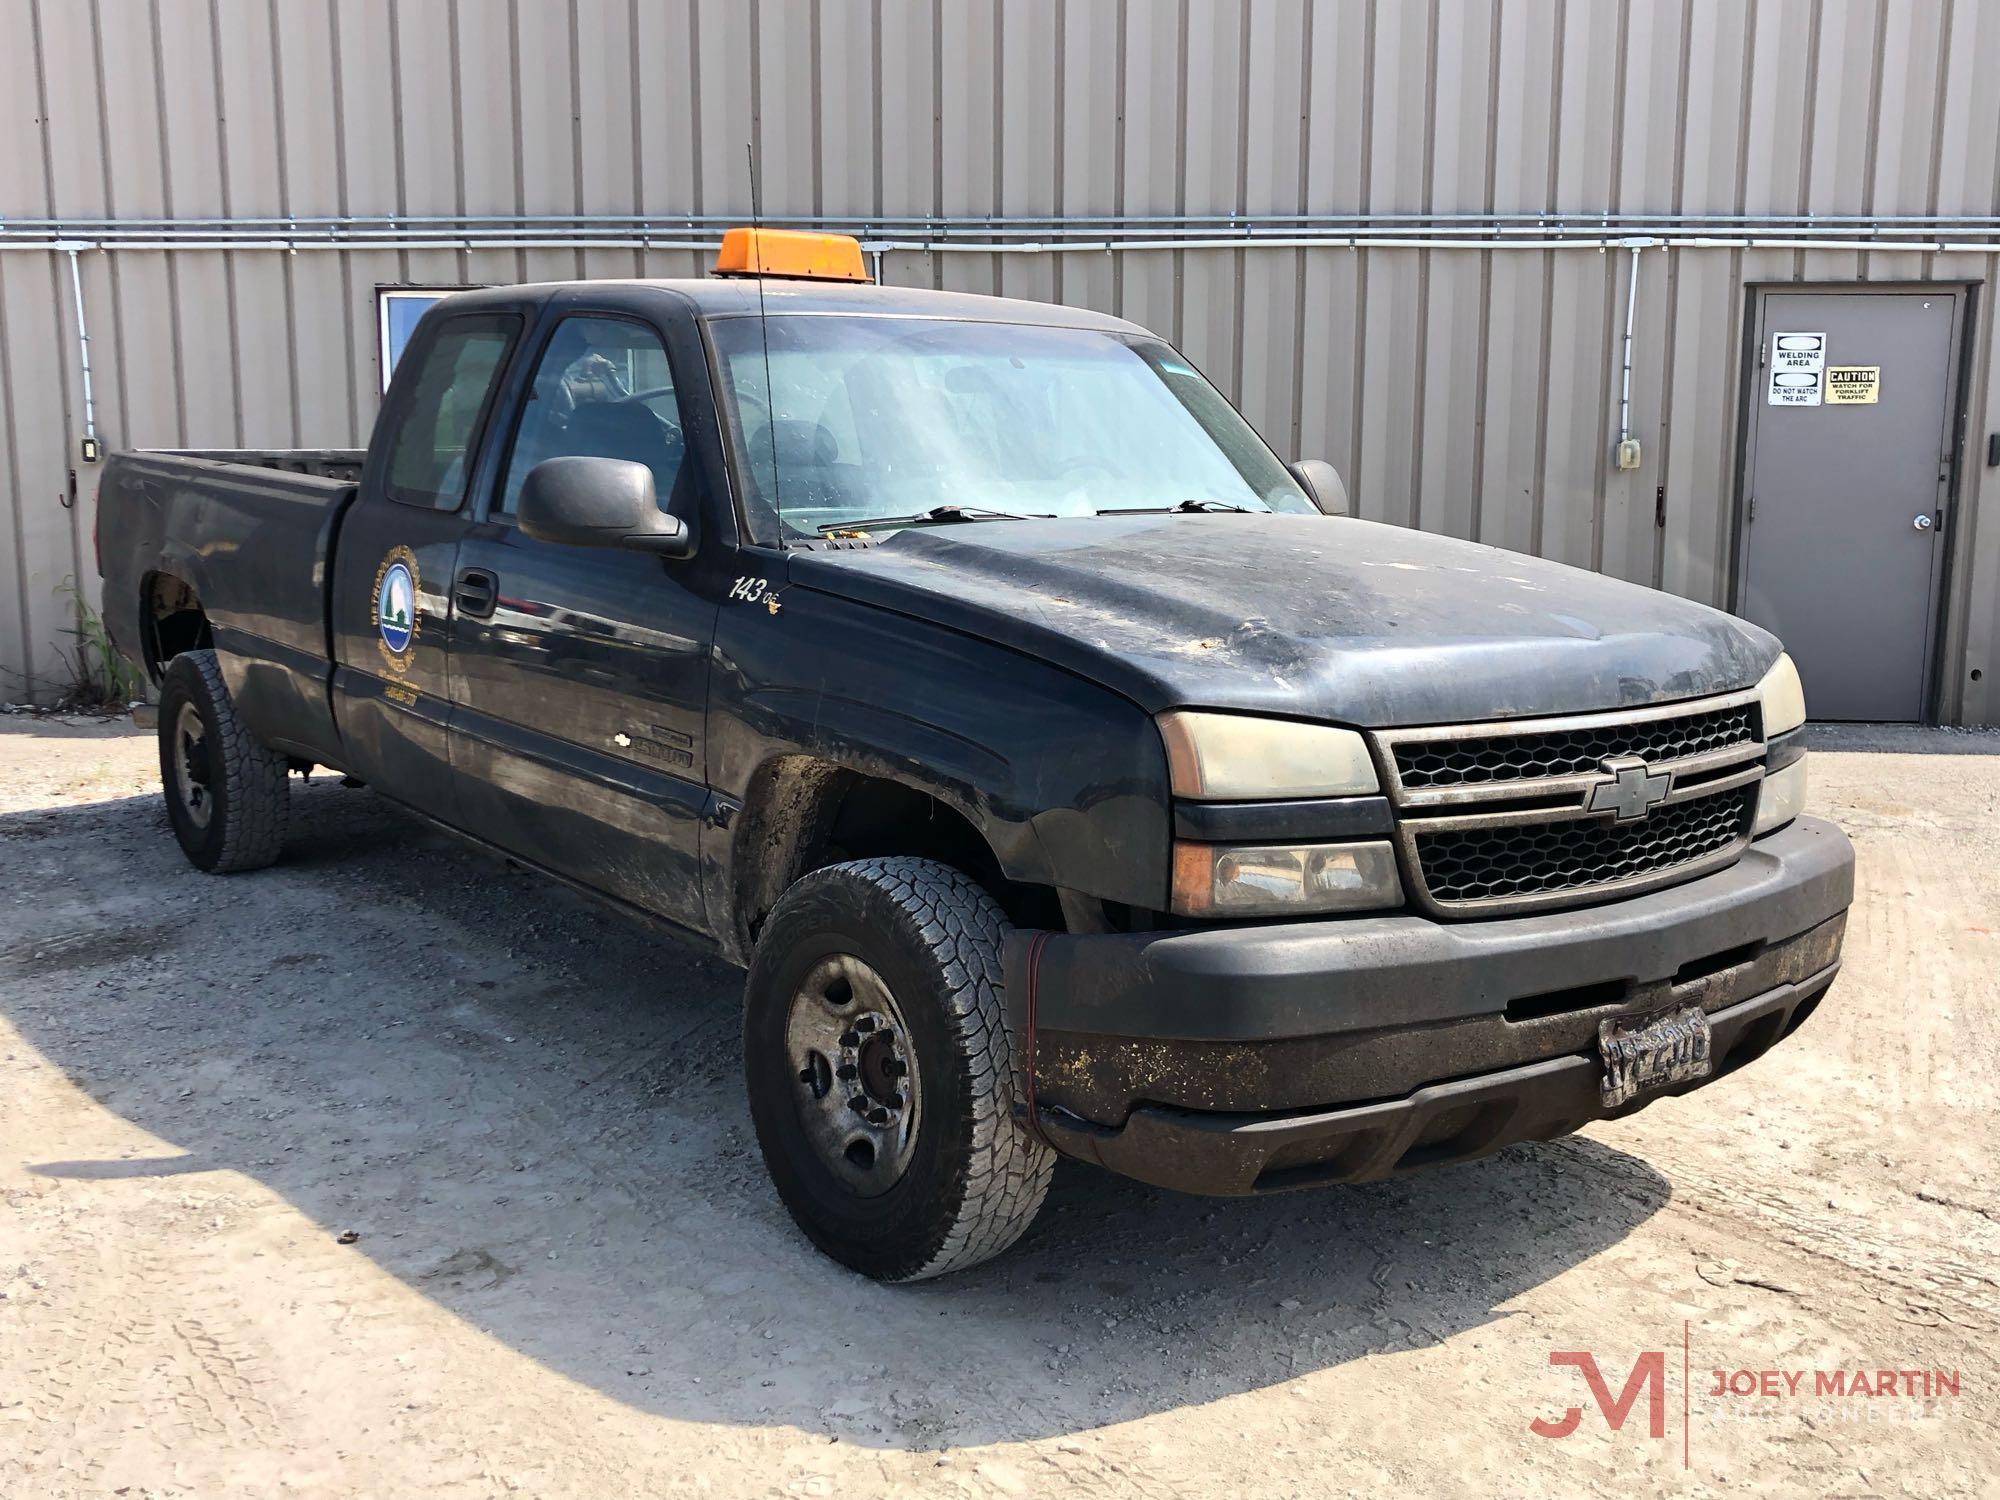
(881, 1073)
(227, 795)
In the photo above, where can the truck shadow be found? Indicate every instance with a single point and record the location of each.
(530, 1113)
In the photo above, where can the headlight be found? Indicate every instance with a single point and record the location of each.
(1275, 880)
(1781, 798)
(1237, 757)
(1784, 698)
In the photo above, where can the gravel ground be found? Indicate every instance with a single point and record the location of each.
(390, 1171)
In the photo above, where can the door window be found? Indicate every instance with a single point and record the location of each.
(436, 414)
(602, 389)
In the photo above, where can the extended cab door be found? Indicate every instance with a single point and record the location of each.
(396, 550)
(581, 687)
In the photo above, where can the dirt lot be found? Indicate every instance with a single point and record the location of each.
(389, 1172)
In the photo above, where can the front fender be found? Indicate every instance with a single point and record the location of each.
(1065, 780)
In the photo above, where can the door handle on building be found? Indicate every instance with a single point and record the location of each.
(1923, 523)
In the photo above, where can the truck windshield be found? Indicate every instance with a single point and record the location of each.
(867, 418)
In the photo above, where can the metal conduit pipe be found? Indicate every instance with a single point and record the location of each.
(1625, 381)
(1010, 236)
(83, 360)
(595, 233)
(1012, 226)
(1038, 235)
(485, 239)
(433, 241)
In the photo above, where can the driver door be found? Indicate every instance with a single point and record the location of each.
(580, 674)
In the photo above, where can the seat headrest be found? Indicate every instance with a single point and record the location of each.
(806, 444)
(621, 429)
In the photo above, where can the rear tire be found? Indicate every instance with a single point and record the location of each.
(882, 1077)
(227, 795)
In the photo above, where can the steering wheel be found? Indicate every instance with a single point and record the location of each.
(654, 393)
(748, 402)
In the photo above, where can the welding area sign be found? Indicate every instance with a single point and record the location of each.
(1798, 362)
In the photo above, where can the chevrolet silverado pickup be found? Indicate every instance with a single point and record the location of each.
(1071, 775)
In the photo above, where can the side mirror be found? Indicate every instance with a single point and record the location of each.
(1322, 481)
(600, 502)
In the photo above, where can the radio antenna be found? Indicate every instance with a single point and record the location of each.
(764, 333)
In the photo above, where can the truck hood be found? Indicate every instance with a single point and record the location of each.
(1320, 617)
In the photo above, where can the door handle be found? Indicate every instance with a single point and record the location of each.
(1923, 522)
(476, 592)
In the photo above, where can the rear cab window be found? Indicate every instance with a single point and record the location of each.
(435, 415)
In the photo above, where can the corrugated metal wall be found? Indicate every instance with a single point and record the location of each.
(1466, 391)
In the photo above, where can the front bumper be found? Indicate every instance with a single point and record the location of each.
(1252, 1059)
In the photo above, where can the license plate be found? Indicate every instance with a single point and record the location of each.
(1644, 1054)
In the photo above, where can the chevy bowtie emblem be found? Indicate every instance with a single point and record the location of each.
(1630, 788)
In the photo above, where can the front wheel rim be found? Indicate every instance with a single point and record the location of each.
(854, 1070)
(192, 769)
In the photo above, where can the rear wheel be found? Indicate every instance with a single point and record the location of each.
(881, 1073)
(227, 795)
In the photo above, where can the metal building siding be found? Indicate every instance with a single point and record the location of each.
(1467, 391)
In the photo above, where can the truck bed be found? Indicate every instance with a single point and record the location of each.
(343, 464)
(250, 534)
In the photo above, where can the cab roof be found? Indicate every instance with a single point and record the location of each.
(737, 297)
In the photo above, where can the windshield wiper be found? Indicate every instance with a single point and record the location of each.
(937, 515)
(1178, 507)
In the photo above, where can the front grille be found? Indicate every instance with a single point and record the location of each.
(1528, 814)
(1427, 763)
(1501, 862)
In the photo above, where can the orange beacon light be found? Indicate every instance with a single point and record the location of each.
(799, 254)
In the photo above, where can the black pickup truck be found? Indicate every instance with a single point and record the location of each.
(1067, 778)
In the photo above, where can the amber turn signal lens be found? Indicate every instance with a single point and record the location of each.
(1781, 798)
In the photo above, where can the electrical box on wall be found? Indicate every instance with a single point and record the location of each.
(1628, 453)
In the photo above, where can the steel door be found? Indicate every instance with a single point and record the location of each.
(1847, 475)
